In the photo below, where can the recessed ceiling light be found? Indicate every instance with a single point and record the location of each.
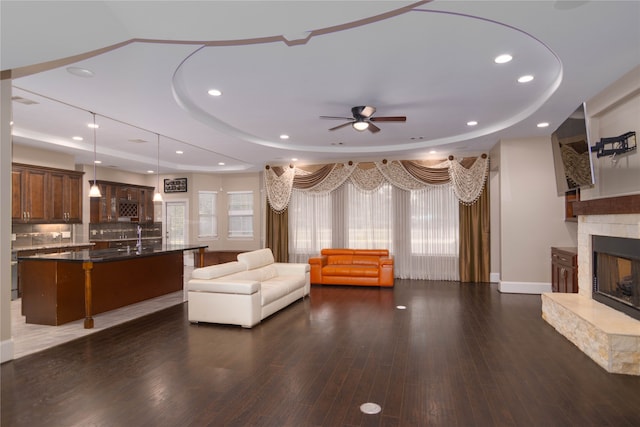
(525, 79)
(401, 307)
(150, 171)
(294, 159)
(92, 125)
(77, 138)
(97, 162)
(472, 123)
(503, 59)
(80, 72)
(214, 92)
(284, 136)
(432, 152)
(220, 163)
(137, 141)
(543, 125)
(179, 152)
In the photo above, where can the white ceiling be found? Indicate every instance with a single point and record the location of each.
(282, 65)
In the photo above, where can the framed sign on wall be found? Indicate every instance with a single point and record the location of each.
(176, 185)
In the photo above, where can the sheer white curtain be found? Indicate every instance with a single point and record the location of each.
(420, 227)
(368, 217)
(429, 222)
(310, 224)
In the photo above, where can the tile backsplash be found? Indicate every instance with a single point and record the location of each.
(123, 230)
(26, 235)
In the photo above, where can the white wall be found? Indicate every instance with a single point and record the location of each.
(46, 158)
(6, 342)
(494, 212)
(613, 112)
(223, 183)
(531, 215)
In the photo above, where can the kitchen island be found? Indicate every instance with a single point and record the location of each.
(63, 287)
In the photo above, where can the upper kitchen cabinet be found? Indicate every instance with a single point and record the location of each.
(45, 195)
(66, 196)
(146, 205)
(121, 202)
(29, 194)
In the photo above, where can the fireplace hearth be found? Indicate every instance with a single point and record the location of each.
(616, 273)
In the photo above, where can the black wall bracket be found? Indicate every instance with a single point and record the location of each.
(615, 145)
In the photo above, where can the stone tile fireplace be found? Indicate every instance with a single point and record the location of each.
(607, 335)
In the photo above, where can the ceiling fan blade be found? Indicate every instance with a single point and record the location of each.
(389, 119)
(341, 126)
(334, 117)
(373, 128)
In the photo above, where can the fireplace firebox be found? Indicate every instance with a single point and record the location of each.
(616, 273)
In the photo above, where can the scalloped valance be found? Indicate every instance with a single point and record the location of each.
(467, 177)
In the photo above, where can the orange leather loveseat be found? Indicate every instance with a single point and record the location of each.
(364, 267)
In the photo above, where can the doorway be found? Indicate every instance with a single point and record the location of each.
(176, 224)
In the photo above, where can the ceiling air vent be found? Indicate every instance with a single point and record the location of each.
(22, 100)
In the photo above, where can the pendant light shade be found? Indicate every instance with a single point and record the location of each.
(157, 197)
(94, 191)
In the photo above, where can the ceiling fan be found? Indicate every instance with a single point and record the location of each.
(362, 119)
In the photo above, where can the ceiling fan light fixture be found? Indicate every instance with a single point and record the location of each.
(360, 125)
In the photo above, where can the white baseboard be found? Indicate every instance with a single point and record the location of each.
(524, 287)
(494, 277)
(6, 350)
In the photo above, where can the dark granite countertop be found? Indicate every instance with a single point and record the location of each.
(114, 254)
(50, 246)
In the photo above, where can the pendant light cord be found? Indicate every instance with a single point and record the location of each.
(94, 149)
(158, 168)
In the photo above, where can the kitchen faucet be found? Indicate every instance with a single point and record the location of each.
(139, 242)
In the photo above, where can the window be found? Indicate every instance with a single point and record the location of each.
(240, 214)
(207, 220)
(420, 227)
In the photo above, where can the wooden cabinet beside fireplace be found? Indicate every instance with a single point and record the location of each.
(564, 270)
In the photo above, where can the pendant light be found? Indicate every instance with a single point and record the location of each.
(94, 191)
(157, 197)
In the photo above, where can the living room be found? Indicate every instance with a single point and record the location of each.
(527, 215)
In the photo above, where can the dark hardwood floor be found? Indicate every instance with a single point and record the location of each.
(459, 355)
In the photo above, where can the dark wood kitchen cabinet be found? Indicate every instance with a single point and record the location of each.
(66, 197)
(146, 209)
(121, 201)
(564, 270)
(29, 194)
(45, 195)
